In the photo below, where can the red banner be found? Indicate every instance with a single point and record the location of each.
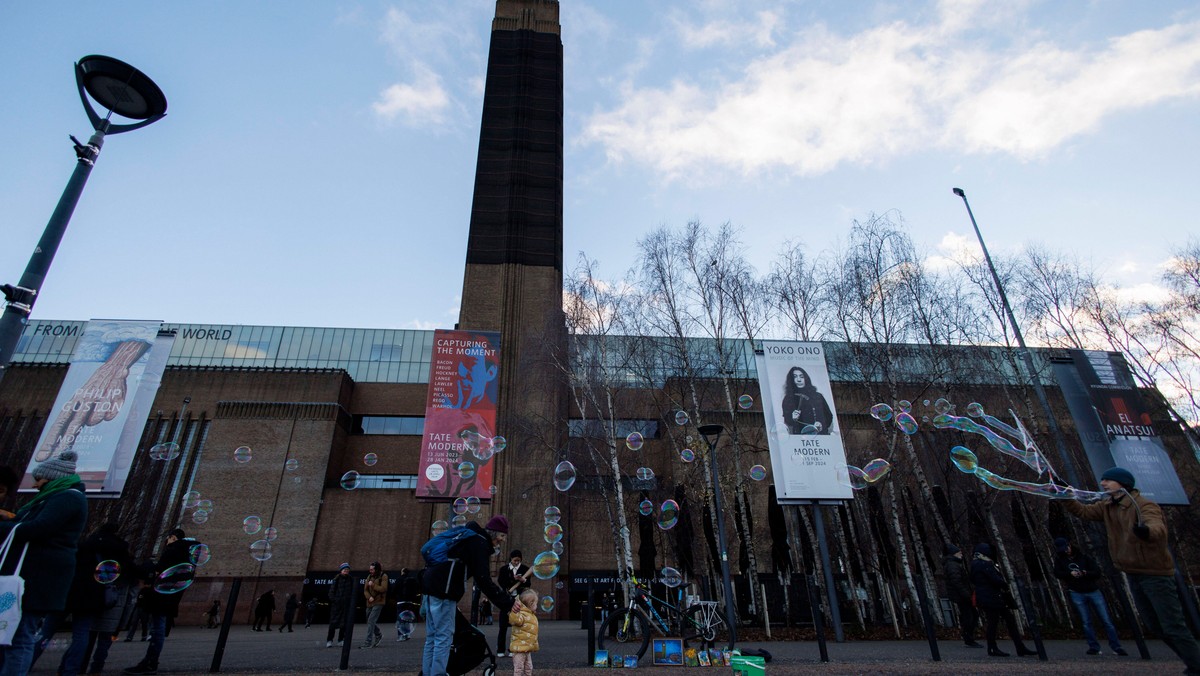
(460, 417)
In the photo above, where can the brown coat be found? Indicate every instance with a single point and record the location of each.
(524, 631)
(375, 590)
(1130, 553)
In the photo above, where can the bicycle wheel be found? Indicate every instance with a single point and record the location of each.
(704, 626)
(624, 633)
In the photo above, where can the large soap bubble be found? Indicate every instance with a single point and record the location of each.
(564, 476)
(545, 565)
(552, 533)
(635, 441)
(107, 572)
(260, 550)
(242, 454)
(668, 515)
(350, 480)
(175, 579)
(164, 451)
(552, 514)
(671, 577)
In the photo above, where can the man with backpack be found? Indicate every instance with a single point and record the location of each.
(450, 558)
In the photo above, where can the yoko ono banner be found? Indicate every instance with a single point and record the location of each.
(460, 416)
(104, 401)
(807, 455)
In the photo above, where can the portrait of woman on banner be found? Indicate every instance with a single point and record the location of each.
(805, 410)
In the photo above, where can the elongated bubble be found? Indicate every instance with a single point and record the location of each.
(175, 579)
(645, 473)
(668, 515)
(906, 423)
(670, 577)
(881, 412)
(166, 451)
(564, 476)
(350, 480)
(107, 572)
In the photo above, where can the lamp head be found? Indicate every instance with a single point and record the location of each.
(711, 433)
(959, 192)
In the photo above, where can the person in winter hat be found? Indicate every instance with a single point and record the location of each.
(993, 598)
(1080, 575)
(1137, 544)
(958, 588)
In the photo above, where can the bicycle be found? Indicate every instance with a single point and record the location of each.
(700, 625)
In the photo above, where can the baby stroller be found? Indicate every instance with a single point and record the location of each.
(468, 649)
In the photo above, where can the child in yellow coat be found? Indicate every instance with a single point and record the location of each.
(524, 641)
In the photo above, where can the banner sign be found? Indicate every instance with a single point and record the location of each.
(1115, 424)
(460, 417)
(104, 401)
(807, 455)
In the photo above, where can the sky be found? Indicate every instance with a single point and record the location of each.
(316, 164)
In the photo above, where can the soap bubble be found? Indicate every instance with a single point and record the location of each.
(472, 504)
(191, 499)
(645, 507)
(557, 547)
(492, 490)
(681, 418)
(460, 505)
(745, 402)
(559, 584)
(668, 515)
(547, 604)
(635, 441)
(975, 409)
(107, 572)
(545, 565)
(942, 406)
(881, 412)
(553, 533)
(370, 459)
(876, 469)
(407, 616)
(260, 550)
(758, 472)
(904, 406)
(466, 469)
(242, 454)
(199, 516)
(350, 480)
(687, 455)
(292, 464)
(459, 520)
(271, 534)
(251, 525)
(925, 403)
(164, 451)
(499, 444)
(199, 554)
(552, 514)
(564, 476)
(205, 505)
(175, 579)
(670, 577)
(906, 423)
(645, 473)
(964, 459)
(438, 527)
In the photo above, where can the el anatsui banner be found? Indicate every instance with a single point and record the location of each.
(104, 401)
(460, 416)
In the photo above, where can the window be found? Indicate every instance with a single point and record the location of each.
(389, 424)
(387, 481)
(598, 429)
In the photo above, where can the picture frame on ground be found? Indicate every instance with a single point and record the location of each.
(667, 652)
(601, 659)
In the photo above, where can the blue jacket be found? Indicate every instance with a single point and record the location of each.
(52, 529)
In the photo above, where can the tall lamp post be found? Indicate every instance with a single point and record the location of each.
(1068, 465)
(712, 434)
(121, 89)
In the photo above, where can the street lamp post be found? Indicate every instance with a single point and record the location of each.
(712, 434)
(1068, 465)
(122, 89)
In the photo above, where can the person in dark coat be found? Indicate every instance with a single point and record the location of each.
(445, 584)
(264, 609)
(958, 588)
(805, 410)
(1080, 574)
(340, 593)
(50, 524)
(212, 618)
(99, 562)
(289, 612)
(138, 615)
(310, 611)
(513, 578)
(992, 597)
(162, 599)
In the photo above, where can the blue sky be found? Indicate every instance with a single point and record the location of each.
(316, 164)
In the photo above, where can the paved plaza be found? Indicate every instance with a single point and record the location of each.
(189, 650)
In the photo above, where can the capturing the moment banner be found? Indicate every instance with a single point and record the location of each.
(1115, 424)
(116, 366)
(460, 416)
(807, 455)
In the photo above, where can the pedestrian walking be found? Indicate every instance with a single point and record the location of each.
(1080, 574)
(263, 609)
(166, 576)
(289, 612)
(340, 593)
(213, 616)
(94, 593)
(47, 529)
(958, 588)
(995, 600)
(310, 609)
(375, 592)
(1137, 544)
(524, 633)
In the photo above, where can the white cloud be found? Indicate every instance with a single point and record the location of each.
(1141, 293)
(758, 31)
(952, 251)
(820, 100)
(422, 101)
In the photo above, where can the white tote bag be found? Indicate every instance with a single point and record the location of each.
(12, 588)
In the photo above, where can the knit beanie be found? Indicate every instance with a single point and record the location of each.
(1119, 475)
(1061, 544)
(498, 523)
(57, 467)
(984, 548)
(344, 566)
(950, 549)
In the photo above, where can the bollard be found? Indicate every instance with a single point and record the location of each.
(348, 628)
(226, 622)
(818, 617)
(589, 623)
(1031, 616)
